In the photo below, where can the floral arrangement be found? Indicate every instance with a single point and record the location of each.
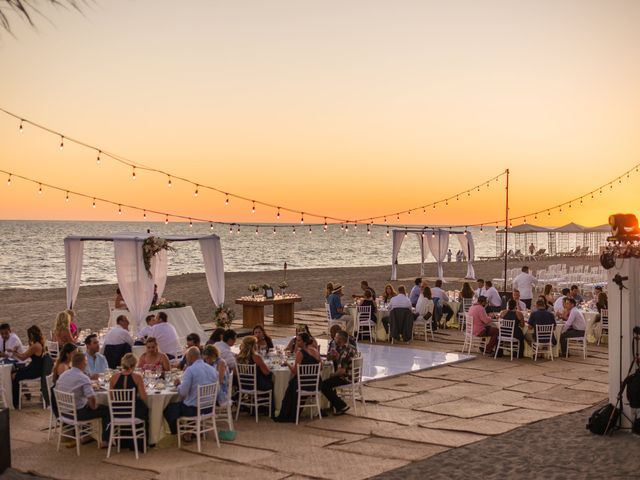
(253, 288)
(283, 284)
(165, 305)
(150, 247)
(265, 286)
(224, 316)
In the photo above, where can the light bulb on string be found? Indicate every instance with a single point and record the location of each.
(226, 201)
(195, 193)
(480, 227)
(39, 189)
(368, 230)
(20, 127)
(98, 157)
(211, 226)
(93, 205)
(434, 206)
(466, 231)
(549, 213)
(278, 214)
(446, 203)
(424, 210)
(169, 181)
(496, 227)
(119, 210)
(457, 197)
(144, 214)
(61, 143)
(341, 228)
(294, 230)
(256, 230)
(468, 194)
(9, 181)
(385, 219)
(274, 230)
(166, 219)
(309, 229)
(387, 231)
(398, 216)
(238, 230)
(433, 234)
(253, 207)
(230, 230)
(405, 233)
(302, 218)
(409, 212)
(611, 186)
(325, 224)
(66, 199)
(133, 173)
(346, 228)
(355, 226)
(190, 224)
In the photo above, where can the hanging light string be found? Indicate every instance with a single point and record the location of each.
(197, 186)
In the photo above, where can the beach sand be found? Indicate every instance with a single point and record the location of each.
(24, 307)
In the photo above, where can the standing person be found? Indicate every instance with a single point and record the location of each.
(482, 326)
(35, 352)
(96, 362)
(480, 290)
(532, 250)
(224, 347)
(494, 302)
(61, 331)
(73, 325)
(166, 335)
(10, 342)
(575, 326)
(525, 282)
(449, 254)
(345, 353)
(415, 291)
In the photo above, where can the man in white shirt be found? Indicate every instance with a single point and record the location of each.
(520, 305)
(166, 335)
(150, 321)
(224, 347)
(9, 342)
(442, 304)
(494, 301)
(401, 300)
(119, 334)
(575, 326)
(480, 291)
(558, 305)
(525, 283)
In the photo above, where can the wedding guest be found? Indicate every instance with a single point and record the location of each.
(424, 307)
(466, 292)
(525, 283)
(540, 316)
(300, 328)
(61, 331)
(306, 355)
(449, 255)
(10, 342)
(548, 295)
(364, 285)
(512, 313)
(602, 301)
(575, 294)
(342, 375)
(96, 362)
(63, 363)
(117, 342)
(415, 291)
(335, 304)
(154, 300)
(75, 381)
(224, 347)
(494, 302)
(482, 326)
(445, 308)
(521, 306)
(73, 325)
(400, 300)
(119, 302)
(265, 344)
(35, 352)
(389, 293)
(152, 358)
(145, 332)
(198, 373)
(249, 355)
(480, 291)
(125, 379)
(332, 345)
(558, 306)
(216, 336)
(193, 340)
(368, 301)
(211, 356)
(327, 291)
(166, 336)
(575, 326)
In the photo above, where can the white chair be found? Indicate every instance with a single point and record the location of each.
(205, 420)
(469, 337)
(462, 313)
(111, 304)
(353, 389)
(31, 387)
(330, 321)
(308, 387)
(224, 411)
(422, 327)
(543, 340)
(124, 424)
(604, 324)
(70, 426)
(53, 349)
(577, 343)
(364, 324)
(248, 387)
(506, 340)
(53, 421)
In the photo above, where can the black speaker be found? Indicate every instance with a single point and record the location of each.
(5, 440)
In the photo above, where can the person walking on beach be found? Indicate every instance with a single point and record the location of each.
(449, 254)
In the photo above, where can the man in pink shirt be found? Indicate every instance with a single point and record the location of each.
(482, 324)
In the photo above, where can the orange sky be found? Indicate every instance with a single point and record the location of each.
(349, 110)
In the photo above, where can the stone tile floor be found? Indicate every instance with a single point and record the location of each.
(471, 419)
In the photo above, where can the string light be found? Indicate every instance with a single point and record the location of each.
(226, 201)
(309, 229)
(166, 219)
(238, 230)
(480, 227)
(346, 228)
(256, 230)
(325, 224)
(274, 230)
(302, 219)
(294, 230)
(190, 224)
(20, 127)
(195, 193)
(66, 199)
(144, 216)
(61, 142)
(230, 230)
(368, 230)
(119, 210)
(9, 181)
(278, 214)
(133, 173)
(169, 181)
(93, 205)
(211, 226)
(40, 189)
(387, 231)
(405, 232)
(98, 157)
(253, 208)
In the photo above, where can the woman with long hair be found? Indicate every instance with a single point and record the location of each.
(73, 325)
(264, 341)
(466, 292)
(301, 328)
(327, 291)
(548, 295)
(126, 378)
(216, 336)
(512, 313)
(249, 356)
(34, 369)
(152, 358)
(63, 363)
(62, 329)
(211, 356)
(389, 293)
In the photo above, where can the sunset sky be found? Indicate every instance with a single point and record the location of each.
(349, 109)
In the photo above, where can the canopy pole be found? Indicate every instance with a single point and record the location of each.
(506, 231)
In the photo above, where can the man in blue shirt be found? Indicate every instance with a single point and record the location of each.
(335, 304)
(96, 362)
(197, 373)
(541, 316)
(416, 291)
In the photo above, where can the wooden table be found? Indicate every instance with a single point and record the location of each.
(253, 309)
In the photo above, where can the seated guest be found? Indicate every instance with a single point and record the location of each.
(438, 292)
(575, 294)
(424, 307)
(166, 336)
(152, 358)
(145, 332)
(540, 316)
(480, 291)
(193, 340)
(63, 363)
(96, 362)
(494, 302)
(117, 342)
(249, 355)
(520, 305)
(126, 379)
(197, 373)
(558, 305)
(389, 293)
(466, 292)
(575, 326)
(342, 375)
(119, 303)
(34, 369)
(216, 336)
(211, 356)
(10, 342)
(368, 301)
(61, 331)
(73, 324)
(602, 302)
(335, 304)
(512, 313)
(265, 344)
(400, 300)
(548, 295)
(482, 326)
(301, 327)
(332, 347)
(306, 355)
(327, 291)
(364, 285)
(416, 291)
(75, 381)
(224, 347)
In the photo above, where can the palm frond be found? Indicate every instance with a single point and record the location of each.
(27, 9)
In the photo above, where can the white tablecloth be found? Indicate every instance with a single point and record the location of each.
(281, 377)
(528, 351)
(590, 319)
(5, 381)
(381, 333)
(183, 319)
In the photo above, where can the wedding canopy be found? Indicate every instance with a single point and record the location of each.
(136, 285)
(436, 241)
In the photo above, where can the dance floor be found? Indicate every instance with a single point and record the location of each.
(383, 360)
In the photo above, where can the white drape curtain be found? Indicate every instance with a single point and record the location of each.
(213, 267)
(159, 264)
(439, 244)
(398, 237)
(424, 249)
(73, 253)
(135, 283)
(466, 243)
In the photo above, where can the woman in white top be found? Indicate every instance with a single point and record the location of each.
(424, 305)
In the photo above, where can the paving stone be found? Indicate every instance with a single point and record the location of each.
(401, 416)
(591, 387)
(505, 379)
(557, 381)
(531, 387)
(521, 416)
(600, 377)
(422, 400)
(338, 465)
(549, 405)
(574, 374)
(280, 437)
(483, 426)
(346, 423)
(467, 390)
(563, 394)
(501, 397)
(383, 395)
(486, 364)
(432, 436)
(410, 383)
(339, 438)
(232, 451)
(158, 459)
(392, 448)
(451, 373)
(466, 408)
(212, 469)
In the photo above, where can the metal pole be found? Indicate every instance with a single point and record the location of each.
(506, 232)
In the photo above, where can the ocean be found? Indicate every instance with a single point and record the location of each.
(33, 251)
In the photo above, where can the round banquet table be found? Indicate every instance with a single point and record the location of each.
(381, 333)
(590, 319)
(5, 381)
